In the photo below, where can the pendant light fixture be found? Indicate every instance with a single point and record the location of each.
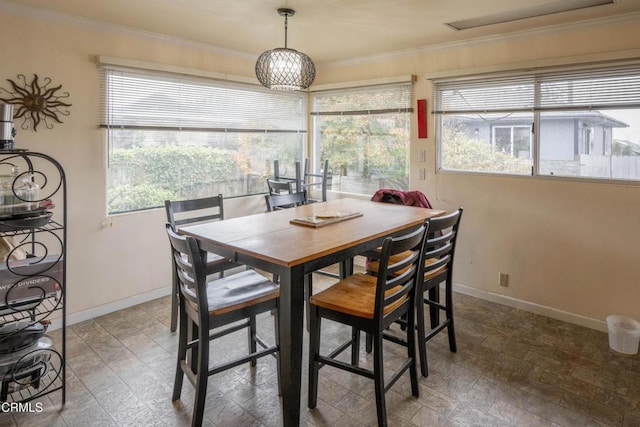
(283, 68)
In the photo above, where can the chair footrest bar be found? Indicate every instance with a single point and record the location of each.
(187, 371)
(345, 366)
(252, 356)
(193, 344)
(337, 351)
(435, 304)
(264, 344)
(229, 330)
(397, 374)
(328, 274)
(433, 332)
(340, 349)
(394, 339)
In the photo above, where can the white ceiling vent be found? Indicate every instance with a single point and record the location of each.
(527, 12)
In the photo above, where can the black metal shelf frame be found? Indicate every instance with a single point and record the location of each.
(41, 371)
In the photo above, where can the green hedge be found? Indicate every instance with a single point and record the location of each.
(145, 177)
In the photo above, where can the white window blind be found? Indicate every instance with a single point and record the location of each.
(590, 89)
(156, 101)
(175, 136)
(396, 98)
(611, 87)
(485, 95)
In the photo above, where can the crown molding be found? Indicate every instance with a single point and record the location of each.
(66, 19)
(63, 18)
(551, 29)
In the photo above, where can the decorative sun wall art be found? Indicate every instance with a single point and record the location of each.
(35, 102)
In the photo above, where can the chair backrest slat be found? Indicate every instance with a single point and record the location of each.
(441, 243)
(397, 282)
(190, 269)
(181, 212)
(280, 201)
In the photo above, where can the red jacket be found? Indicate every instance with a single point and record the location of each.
(398, 197)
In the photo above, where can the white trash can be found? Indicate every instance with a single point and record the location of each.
(624, 334)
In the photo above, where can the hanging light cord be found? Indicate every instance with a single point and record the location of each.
(286, 18)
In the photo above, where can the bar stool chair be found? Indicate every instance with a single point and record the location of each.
(185, 212)
(221, 303)
(279, 187)
(370, 304)
(296, 181)
(311, 181)
(438, 268)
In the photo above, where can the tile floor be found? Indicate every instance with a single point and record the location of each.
(512, 368)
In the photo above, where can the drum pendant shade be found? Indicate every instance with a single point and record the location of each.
(283, 68)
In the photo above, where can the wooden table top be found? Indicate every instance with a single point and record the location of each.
(271, 237)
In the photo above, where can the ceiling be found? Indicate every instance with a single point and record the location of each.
(326, 30)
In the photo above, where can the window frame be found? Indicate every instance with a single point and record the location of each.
(538, 74)
(267, 127)
(401, 82)
(511, 136)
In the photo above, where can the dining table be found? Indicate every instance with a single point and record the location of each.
(294, 242)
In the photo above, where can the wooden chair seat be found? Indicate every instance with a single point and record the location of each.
(237, 291)
(354, 295)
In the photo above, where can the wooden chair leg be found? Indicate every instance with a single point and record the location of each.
(276, 323)
(449, 312)
(411, 352)
(355, 346)
(174, 302)
(378, 374)
(182, 354)
(422, 343)
(314, 350)
(434, 312)
(192, 334)
(251, 331)
(308, 291)
(201, 378)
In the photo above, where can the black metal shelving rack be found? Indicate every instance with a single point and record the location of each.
(41, 371)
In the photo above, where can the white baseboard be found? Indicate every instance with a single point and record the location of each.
(542, 310)
(531, 307)
(101, 310)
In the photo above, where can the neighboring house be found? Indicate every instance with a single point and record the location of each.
(563, 135)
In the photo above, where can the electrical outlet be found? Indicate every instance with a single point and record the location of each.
(422, 156)
(504, 279)
(422, 175)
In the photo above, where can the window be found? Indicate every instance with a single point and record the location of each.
(178, 137)
(571, 123)
(513, 140)
(364, 133)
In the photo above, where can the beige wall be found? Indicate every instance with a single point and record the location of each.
(571, 246)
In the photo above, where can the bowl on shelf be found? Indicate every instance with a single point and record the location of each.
(25, 221)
